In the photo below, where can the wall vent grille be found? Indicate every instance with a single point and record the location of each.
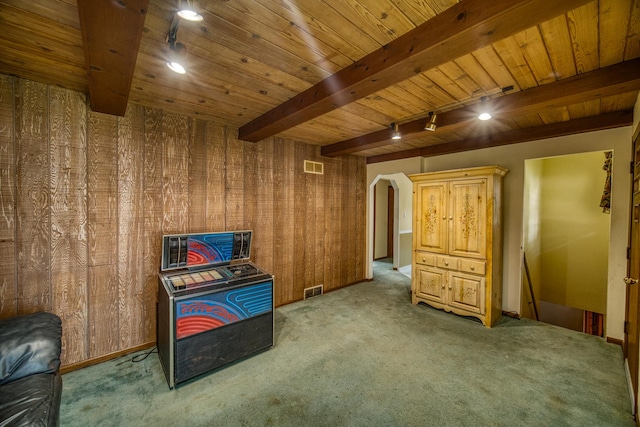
(313, 167)
(313, 291)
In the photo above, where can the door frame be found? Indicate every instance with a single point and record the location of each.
(371, 223)
(631, 346)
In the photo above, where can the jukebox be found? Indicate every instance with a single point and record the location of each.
(214, 306)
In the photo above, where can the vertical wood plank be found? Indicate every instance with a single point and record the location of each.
(216, 149)
(68, 154)
(283, 219)
(102, 237)
(264, 227)
(175, 174)
(32, 197)
(8, 285)
(582, 22)
(350, 212)
(250, 193)
(555, 34)
(198, 178)
(632, 50)
(234, 182)
(308, 183)
(152, 237)
(299, 226)
(130, 221)
(278, 220)
(360, 216)
(319, 220)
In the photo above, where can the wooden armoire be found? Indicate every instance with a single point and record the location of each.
(457, 241)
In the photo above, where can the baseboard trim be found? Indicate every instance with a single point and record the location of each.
(85, 363)
(511, 314)
(615, 341)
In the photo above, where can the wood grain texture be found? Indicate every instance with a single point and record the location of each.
(198, 164)
(8, 284)
(102, 237)
(216, 148)
(263, 242)
(33, 232)
(69, 268)
(234, 182)
(445, 55)
(299, 215)
(153, 208)
(250, 189)
(175, 173)
(109, 187)
(130, 249)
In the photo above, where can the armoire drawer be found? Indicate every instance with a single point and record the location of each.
(426, 258)
(473, 267)
(450, 263)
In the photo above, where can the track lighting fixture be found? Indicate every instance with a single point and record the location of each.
(178, 51)
(396, 132)
(187, 10)
(431, 124)
(484, 112)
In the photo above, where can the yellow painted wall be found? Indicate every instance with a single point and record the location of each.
(531, 208)
(574, 232)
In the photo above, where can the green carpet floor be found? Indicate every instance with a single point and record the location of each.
(364, 356)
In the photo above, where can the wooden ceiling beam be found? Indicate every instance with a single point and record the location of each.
(111, 34)
(460, 30)
(613, 80)
(570, 127)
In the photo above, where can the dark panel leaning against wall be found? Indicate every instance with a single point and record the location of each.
(86, 198)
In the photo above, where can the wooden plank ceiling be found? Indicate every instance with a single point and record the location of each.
(338, 73)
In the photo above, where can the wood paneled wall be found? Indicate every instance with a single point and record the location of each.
(86, 197)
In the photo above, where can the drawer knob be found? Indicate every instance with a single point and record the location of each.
(424, 259)
(473, 267)
(446, 263)
(442, 286)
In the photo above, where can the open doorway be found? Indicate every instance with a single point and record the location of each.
(390, 222)
(566, 240)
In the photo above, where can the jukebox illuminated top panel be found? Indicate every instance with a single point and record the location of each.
(189, 250)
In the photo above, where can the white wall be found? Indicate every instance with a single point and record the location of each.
(395, 171)
(513, 157)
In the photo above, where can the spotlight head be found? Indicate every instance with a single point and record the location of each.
(396, 132)
(431, 124)
(484, 111)
(177, 56)
(188, 11)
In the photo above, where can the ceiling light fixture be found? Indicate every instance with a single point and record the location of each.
(396, 132)
(187, 10)
(178, 52)
(484, 112)
(431, 124)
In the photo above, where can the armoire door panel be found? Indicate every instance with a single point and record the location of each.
(431, 224)
(468, 218)
(431, 284)
(467, 292)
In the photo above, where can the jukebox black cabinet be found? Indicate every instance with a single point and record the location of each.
(214, 306)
